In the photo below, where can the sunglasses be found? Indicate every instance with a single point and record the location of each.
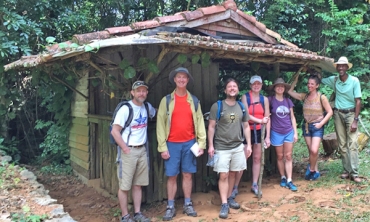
(138, 84)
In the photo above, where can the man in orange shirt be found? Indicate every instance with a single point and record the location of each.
(180, 124)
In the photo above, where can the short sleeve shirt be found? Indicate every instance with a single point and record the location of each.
(346, 92)
(138, 127)
(280, 115)
(229, 132)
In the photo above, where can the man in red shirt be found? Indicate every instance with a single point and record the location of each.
(179, 126)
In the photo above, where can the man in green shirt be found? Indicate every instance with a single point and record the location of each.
(346, 111)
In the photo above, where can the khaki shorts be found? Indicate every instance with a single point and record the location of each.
(231, 160)
(132, 168)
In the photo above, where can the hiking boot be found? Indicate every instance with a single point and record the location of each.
(127, 218)
(224, 212)
(139, 217)
(344, 175)
(315, 176)
(307, 174)
(291, 186)
(170, 213)
(283, 182)
(189, 210)
(234, 193)
(254, 190)
(232, 203)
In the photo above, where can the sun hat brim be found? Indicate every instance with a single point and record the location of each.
(349, 64)
(183, 70)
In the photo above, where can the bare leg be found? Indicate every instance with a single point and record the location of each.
(171, 187)
(223, 186)
(187, 183)
(136, 197)
(122, 198)
(238, 177)
(314, 153)
(288, 147)
(231, 182)
(256, 162)
(280, 160)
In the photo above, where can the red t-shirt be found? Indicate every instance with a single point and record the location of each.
(255, 110)
(182, 125)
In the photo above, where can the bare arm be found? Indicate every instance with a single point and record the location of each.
(247, 135)
(328, 109)
(291, 91)
(268, 124)
(294, 124)
(116, 133)
(211, 134)
(357, 112)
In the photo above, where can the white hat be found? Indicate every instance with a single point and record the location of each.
(255, 78)
(343, 60)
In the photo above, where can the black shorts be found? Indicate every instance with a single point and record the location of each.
(255, 138)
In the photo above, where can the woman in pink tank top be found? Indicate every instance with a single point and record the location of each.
(314, 105)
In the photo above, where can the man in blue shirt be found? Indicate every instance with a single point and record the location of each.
(347, 109)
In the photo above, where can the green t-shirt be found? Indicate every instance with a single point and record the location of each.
(229, 132)
(346, 92)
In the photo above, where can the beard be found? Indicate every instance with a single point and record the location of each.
(140, 99)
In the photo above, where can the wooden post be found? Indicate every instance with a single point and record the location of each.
(262, 161)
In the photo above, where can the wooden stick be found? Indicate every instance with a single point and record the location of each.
(262, 161)
(297, 73)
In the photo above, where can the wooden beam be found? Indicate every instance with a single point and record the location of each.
(80, 162)
(252, 28)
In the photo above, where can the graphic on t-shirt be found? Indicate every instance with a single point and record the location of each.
(232, 117)
(141, 122)
(282, 111)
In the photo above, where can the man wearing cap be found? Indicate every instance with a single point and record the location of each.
(347, 109)
(132, 170)
(179, 125)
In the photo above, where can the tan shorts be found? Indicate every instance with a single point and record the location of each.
(132, 168)
(231, 160)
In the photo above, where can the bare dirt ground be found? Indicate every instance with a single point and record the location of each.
(277, 204)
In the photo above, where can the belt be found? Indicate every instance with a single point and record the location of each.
(345, 110)
(139, 146)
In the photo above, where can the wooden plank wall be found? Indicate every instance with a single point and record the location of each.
(79, 132)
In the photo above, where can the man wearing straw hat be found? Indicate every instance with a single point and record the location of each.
(346, 112)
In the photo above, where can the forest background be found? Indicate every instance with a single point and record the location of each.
(35, 107)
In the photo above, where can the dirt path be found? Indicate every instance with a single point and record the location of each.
(277, 204)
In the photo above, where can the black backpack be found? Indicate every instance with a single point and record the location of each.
(129, 119)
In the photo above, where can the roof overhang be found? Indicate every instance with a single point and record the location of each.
(243, 51)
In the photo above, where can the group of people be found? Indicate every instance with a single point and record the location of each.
(235, 132)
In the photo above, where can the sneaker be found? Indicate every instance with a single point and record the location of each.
(189, 210)
(315, 176)
(234, 193)
(310, 176)
(291, 186)
(307, 174)
(224, 212)
(170, 213)
(254, 190)
(139, 217)
(283, 182)
(127, 218)
(232, 203)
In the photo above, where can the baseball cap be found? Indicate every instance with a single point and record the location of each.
(137, 84)
(255, 78)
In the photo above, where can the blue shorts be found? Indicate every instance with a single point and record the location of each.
(278, 139)
(180, 156)
(312, 131)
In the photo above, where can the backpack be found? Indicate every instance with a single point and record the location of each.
(195, 101)
(262, 100)
(219, 109)
(129, 119)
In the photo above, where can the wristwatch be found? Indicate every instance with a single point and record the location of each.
(356, 118)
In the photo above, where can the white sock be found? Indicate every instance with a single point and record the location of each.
(289, 180)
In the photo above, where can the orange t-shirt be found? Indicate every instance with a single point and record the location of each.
(182, 125)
